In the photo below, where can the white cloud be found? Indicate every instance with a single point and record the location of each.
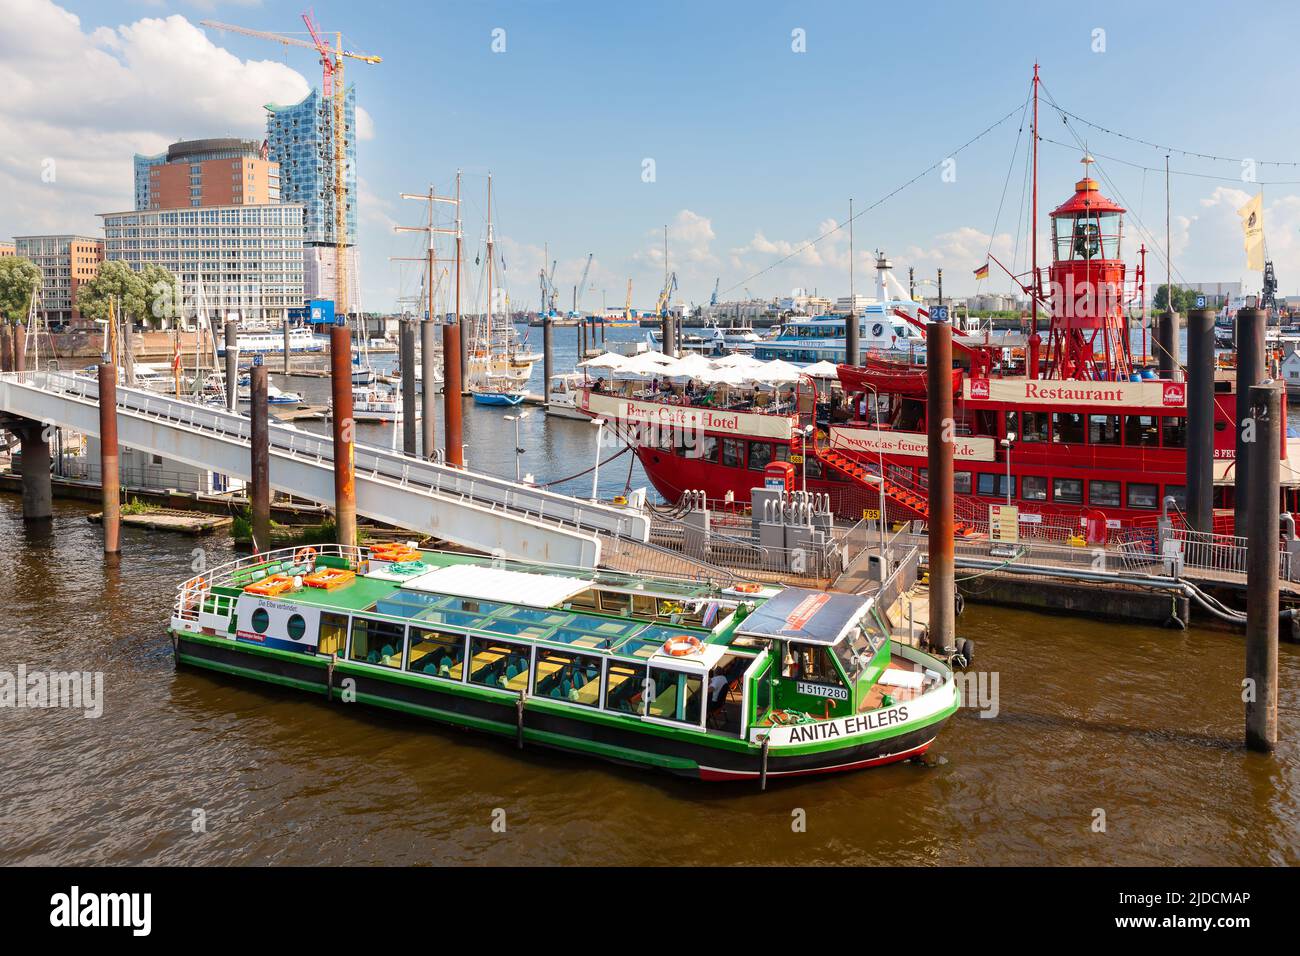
(87, 100)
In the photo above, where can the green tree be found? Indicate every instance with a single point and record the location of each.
(18, 279)
(115, 280)
(162, 295)
(1184, 299)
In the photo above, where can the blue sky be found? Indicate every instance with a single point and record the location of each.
(756, 148)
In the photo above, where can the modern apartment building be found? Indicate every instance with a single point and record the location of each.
(207, 172)
(7, 250)
(299, 139)
(65, 263)
(243, 260)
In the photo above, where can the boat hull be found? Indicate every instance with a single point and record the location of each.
(685, 752)
(497, 398)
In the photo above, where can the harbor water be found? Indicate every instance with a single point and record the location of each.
(1098, 743)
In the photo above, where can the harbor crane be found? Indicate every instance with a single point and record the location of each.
(713, 299)
(666, 294)
(627, 303)
(333, 91)
(580, 289)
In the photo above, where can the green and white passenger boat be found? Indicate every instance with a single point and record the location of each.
(719, 683)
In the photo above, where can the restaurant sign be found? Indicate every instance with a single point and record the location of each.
(684, 417)
(1024, 391)
(869, 441)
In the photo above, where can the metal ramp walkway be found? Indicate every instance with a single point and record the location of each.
(483, 512)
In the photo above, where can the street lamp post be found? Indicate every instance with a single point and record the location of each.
(803, 455)
(595, 471)
(518, 449)
(1007, 443)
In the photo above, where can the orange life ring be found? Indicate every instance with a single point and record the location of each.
(748, 588)
(305, 556)
(680, 645)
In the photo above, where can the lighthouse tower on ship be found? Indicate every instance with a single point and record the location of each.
(1088, 338)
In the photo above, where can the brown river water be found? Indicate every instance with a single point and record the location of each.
(1135, 726)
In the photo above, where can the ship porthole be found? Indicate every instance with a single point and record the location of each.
(261, 620)
(296, 627)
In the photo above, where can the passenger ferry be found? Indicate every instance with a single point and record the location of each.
(271, 342)
(717, 683)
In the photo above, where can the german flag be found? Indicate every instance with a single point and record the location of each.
(982, 272)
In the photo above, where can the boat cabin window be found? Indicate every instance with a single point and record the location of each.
(675, 695)
(706, 448)
(858, 648)
(1103, 493)
(436, 654)
(961, 482)
(583, 599)
(810, 662)
(1142, 431)
(333, 633)
(624, 686)
(614, 603)
(1178, 493)
(1103, 429)
(377, 642)
(587, 630)
(1068, 490)
(733, 453)
(760, 453)
(1067, 428)
(993, 485)
(563, 675)
(1173, 430)
(1034, 427)
(496, 663)
(1033, 488)
(1142, 495)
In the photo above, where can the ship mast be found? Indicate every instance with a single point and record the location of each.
(1032, 355)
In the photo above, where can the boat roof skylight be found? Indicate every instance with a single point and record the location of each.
(499, 584)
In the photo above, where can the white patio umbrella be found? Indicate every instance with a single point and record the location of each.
(690, 365)
(605, 360)
(775, 372)
(736, 360)
(822, 369)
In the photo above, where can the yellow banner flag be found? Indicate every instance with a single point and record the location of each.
(1252, 223)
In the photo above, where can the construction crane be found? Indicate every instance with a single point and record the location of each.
(580, 289)
(627, 303)
(332, 90)
(666, 294)
(713, 299)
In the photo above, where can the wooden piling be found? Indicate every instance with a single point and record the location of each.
(260, 493)
(20, 347)
(345, 489)
(1167, 346)
(110, 474)
(940, 428)
(466, 330)
(428, 393)
(285, 332)
(1200, 419)
(1262, 563)
(6, 347)
(453, 374)
(1250, 372)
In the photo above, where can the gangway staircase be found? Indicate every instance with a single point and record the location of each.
(913, 503)
(483, 512)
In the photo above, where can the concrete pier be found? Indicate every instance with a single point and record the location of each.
(452, 395)
(1250, 372)
(1262, 563)
(20, 347)
(259, 494)
(109, 460)
(1167, 351)
(852, 353)
(939, 431)
(1200, 419)
(38, 489)
(232, 365)
(548, 358)
(344, 428)
(406, 366)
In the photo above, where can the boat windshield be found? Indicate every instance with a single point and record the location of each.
(857, 649)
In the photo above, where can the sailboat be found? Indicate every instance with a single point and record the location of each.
(497, 370)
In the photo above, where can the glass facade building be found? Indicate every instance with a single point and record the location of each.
(245, 259)
(298, 138)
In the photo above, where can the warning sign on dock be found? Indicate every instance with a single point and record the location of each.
(1004, 524)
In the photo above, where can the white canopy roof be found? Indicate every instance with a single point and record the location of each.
(498, 584)
(822, 369)
(606, 360)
